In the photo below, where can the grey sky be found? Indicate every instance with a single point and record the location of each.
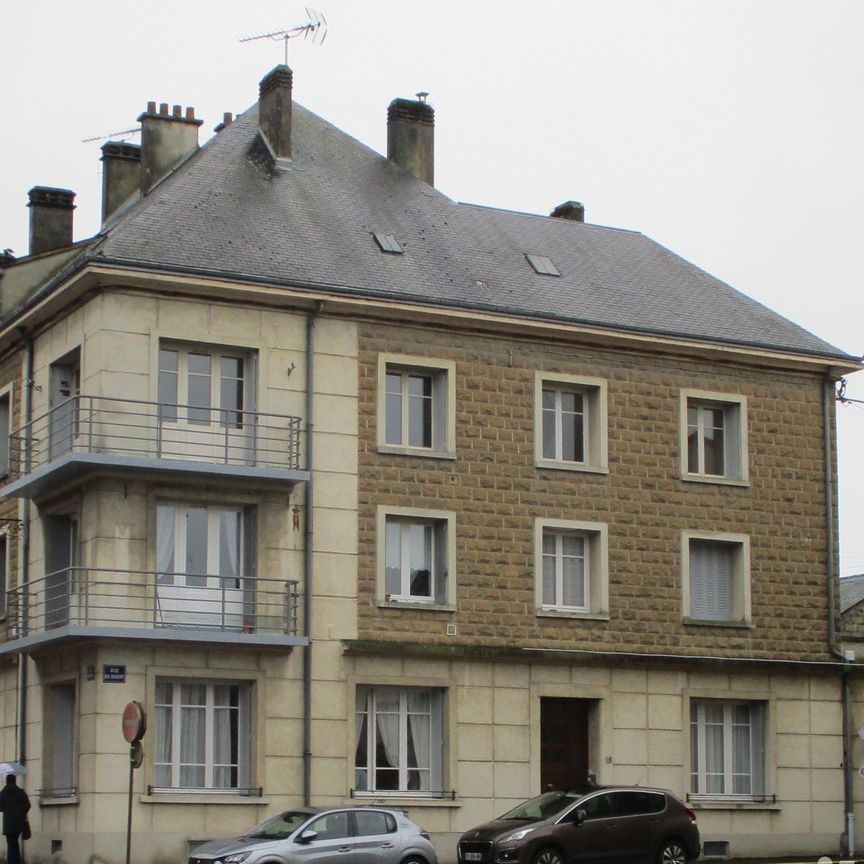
(730, 132)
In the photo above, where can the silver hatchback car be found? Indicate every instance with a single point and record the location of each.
(309, 835)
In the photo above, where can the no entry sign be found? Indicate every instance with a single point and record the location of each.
(134, 722)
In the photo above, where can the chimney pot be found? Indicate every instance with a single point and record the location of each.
(166, 140)
(274, 110)
(50, 218)
(411, 137)
(572, 210)
(190, 113)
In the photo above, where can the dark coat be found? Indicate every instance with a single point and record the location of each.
(14, 804)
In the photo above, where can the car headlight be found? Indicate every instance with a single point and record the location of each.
(234, 858)
(516, 835)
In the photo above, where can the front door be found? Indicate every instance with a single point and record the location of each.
(563, 743)
(65, 387)
(61, 559)
(200, 566)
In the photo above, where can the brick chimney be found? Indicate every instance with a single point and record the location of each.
(121, 175)
(50, 218)
(411, 137)
(166, 140)
(274, 111)
(572, 210)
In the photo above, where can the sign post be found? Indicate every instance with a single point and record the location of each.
(134, 727)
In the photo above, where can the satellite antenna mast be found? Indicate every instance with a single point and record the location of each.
(314, 31)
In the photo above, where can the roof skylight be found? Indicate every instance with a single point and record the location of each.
(542, 264)
(387, 243)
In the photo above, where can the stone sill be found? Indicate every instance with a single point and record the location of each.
(717, 481)
(407, 604)
(564, 613)
(706, 622)
(576, 467)
(69, 801)
(203, 798)
(401, 803)
(422, 452)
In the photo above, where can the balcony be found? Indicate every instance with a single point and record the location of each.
(85, 602)
(88, 433)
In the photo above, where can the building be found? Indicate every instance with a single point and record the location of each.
(368, 495)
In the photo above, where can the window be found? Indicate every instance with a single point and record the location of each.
(416, 556)
(332, 826)
(727, 749)
(416, 406)
(570, 560)
(713, 437)
(5, 429)
(399, 739)
(202, 735)
(716, 577)
(200, 387)
(59, 741)
(204, 565)
(570, 422)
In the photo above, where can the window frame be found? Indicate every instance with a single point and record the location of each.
(447, 520)
(736, 445)
(247, 733)
(595, 423)
(443, 375)
(740, 601)
(438, 738)
(760, 756)
(218, 416)
(597, 576)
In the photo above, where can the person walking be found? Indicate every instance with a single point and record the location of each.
(14, 805)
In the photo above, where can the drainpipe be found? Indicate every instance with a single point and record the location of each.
(23, 658)
(828, 398)
(307, 558)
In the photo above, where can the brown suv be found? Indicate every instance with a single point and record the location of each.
(603, 824)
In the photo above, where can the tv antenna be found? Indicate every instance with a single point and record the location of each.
(314, 31)
(123, 134)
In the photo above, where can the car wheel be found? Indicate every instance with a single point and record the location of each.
(672, 852)
(548, 856)
(415, 859)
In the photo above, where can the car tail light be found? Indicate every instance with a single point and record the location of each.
(691, 814)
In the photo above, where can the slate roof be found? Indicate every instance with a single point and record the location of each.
(222, 213)
(851, 591)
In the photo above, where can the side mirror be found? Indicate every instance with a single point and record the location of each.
(579, 817)
(307, 836)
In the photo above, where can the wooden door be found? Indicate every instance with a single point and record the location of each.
(563, 743)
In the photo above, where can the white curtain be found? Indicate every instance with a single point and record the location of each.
(229, 548)
(419, 741)
(165, 544)
(223, 761)
(192, 735)
(164, 726)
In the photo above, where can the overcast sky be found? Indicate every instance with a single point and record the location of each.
(730, 131)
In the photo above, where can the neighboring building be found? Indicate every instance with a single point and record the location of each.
(852, 607)
(369, 495)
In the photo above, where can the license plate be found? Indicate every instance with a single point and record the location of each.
(473, 856)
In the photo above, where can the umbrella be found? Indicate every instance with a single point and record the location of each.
(11, 768)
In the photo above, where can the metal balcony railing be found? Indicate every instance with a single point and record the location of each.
(153, 430)
(98, 598)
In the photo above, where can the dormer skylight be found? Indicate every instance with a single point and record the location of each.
(387, 243)
(542, 264)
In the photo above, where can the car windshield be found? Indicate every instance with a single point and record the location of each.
(278, 827)
(543, 806)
